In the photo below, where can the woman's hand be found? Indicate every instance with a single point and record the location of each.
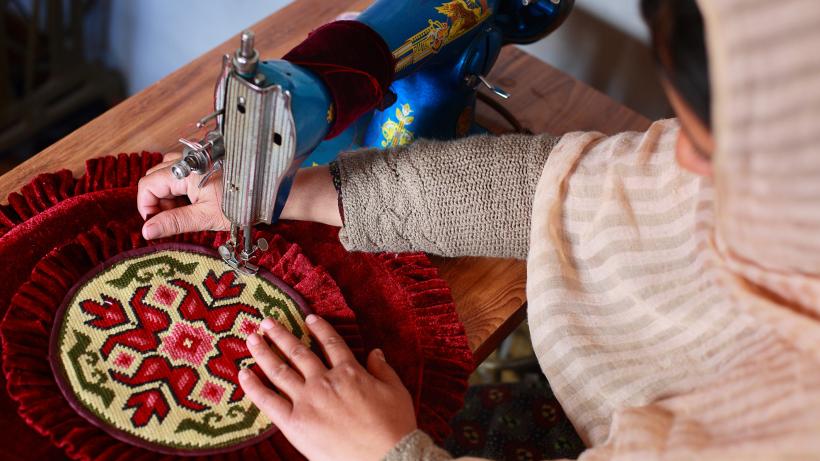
(162, 195)
(340, 412)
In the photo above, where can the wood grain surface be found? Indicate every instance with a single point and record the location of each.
(489, 293)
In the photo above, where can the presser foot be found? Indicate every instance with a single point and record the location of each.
(230, 257)
(240, 261)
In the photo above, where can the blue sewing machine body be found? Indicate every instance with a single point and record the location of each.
(441, 48)
(272, 117)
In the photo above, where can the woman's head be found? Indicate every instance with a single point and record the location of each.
(678, 43)
(763, 76)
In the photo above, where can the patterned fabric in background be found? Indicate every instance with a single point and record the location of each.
(513, 421)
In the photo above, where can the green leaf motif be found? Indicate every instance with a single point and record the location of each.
(94, 384)
(275, 307)
(166, 267)
(209, 425)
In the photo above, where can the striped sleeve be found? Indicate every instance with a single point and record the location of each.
(649, 354)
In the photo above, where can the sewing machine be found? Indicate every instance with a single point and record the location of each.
(271, 117)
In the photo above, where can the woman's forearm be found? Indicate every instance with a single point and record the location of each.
(466, 197)
(313, 197)
(469, 197)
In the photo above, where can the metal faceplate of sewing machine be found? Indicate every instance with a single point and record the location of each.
(259, 136)
(260, 143)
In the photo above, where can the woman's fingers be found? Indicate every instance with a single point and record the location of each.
(158, 185)
(276, 407)
(277, 370)
(167, 160)
(299, 355)
(377, 366)
(158, 166)
(172, 156)
(171, 203)
(333, 345)
(189, 218)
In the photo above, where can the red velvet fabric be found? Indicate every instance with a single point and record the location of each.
(28, 323)
(355, 64)
(29, 222)
(400, 304)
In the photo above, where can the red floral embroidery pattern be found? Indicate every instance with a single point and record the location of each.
(165, 295)
(124, 360)
(212, 392)
(153, 345)
(188, 343)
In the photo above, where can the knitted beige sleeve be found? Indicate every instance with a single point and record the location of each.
(469, 197)
(417, 446)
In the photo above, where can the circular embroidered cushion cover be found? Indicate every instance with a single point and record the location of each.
(149, 347)
(122, 323)
(95, 314)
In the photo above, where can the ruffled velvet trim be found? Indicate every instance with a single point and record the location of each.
(54, 207)
(400, 300)
(49, 189)
(448, 360)
(26, 331)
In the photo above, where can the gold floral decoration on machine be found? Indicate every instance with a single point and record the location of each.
(461, 17)
(395, 132)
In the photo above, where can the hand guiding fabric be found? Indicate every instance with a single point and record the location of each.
(162, 197)
(339, 412)
(171, 206)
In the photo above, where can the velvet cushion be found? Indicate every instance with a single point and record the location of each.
(398, 302)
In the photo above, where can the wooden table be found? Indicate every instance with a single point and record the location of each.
(489, 293)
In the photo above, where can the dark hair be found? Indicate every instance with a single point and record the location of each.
(679, 46)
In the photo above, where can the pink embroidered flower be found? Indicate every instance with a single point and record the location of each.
(212, 392)
(165, 295)
(124, 360)
(188, 343)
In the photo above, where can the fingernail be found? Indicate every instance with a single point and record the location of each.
(379, 354)
(311, 318)
(254, 339)
(268, 323)
(150, 231)
(244, 373)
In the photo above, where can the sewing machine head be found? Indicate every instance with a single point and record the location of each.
(253, 143)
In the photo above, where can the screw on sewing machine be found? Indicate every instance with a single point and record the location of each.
(201, 157)
(246, 57)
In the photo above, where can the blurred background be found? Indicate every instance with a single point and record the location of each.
(63, 62)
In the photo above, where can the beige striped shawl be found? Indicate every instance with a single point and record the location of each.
(678, 317)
